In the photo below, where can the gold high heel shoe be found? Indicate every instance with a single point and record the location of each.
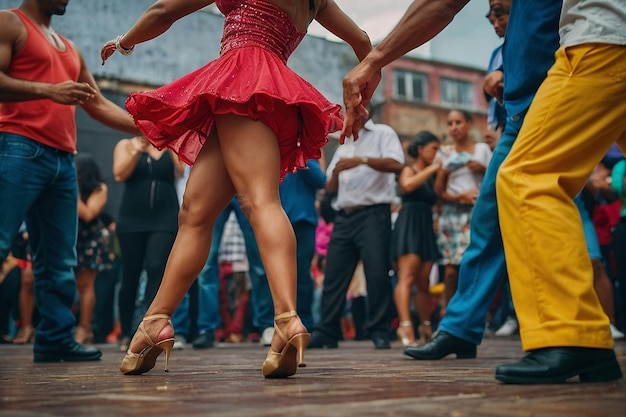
(139, 363)
(403, 327)
(26, 334)
(285, 363)
(83, 336)
(425, 331)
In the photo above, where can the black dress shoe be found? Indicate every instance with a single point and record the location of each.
(556, 365)
(381, 340)
(320, 340)
(204, 340)
(72, 353)
(442, 345)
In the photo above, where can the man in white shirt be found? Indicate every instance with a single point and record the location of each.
(363, 175)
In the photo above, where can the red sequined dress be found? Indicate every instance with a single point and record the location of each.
(249, 78)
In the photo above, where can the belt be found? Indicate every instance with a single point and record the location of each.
(347, 211)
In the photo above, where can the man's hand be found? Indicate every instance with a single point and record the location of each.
(358, 87)
(71, 92)
(493, 85)
(348, 163)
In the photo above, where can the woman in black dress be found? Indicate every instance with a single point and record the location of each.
(414, 241)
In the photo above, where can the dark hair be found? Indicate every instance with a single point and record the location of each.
(466, 115)
(422, 138)
(89, 175)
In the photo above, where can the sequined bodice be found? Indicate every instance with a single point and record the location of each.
(258, 23)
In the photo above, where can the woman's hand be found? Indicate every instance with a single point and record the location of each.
(358, 87)
(140, 144)
(468, 197)
(107, 50)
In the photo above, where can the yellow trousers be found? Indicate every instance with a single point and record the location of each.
(578, 113)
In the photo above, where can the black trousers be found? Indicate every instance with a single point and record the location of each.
(363, 234)
(139, 251)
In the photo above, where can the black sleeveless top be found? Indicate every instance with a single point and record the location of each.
(149, 202)
(424, 194)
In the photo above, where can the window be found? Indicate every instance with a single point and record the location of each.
(409, 85)
(456, 93)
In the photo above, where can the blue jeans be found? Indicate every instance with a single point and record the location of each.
(38, 183)
(305, 236)
(208, 280)
(483, 266)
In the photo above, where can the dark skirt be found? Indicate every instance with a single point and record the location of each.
(413, 232)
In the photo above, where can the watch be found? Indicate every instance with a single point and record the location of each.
(364, 160)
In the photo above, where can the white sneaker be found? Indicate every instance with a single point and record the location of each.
(509, 328)
(266, 336)
(616, 333)
(179, 342)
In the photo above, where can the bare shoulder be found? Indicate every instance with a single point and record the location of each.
(11, 26)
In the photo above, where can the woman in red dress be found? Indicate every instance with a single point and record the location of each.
(244, 120)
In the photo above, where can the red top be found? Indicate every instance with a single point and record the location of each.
(44, 120)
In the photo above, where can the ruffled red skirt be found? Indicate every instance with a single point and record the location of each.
(248, 81)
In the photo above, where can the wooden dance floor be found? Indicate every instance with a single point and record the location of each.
(354, 380)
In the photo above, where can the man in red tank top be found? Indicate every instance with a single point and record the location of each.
(43, 78)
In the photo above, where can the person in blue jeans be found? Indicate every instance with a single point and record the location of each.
(43, 77)
(528, 52)
(483, 265)
(298, 193)
(208, 287)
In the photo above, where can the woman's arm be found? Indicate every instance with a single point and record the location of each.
(410, 180)
(89, 210)
(155, 21)
(179, 166)
(341, 25)
(441, 184)
(126, 155)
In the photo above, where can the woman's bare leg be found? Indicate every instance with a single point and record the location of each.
(408, 267)
(85, 282)
(450, 279)
(422, 301)
(252, 158)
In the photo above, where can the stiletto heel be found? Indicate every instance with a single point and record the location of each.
(426, 332)
(139, 363)
(26, 334)
(285, 363)
(83, 336)
(404, 338)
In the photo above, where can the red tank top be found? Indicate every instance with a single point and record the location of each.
(44, 120)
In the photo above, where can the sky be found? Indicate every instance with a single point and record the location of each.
(468, 40)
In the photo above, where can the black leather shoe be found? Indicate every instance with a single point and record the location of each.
(320, 340)
(381, 340)
(556, 365)
(204, 340)
(72, 353)
(442, 345)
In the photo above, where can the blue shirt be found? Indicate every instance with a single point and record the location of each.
(298, 192)
(532, 38)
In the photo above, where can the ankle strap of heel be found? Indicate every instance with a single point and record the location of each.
(285, 315)
(280, 316)
(156, 317)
